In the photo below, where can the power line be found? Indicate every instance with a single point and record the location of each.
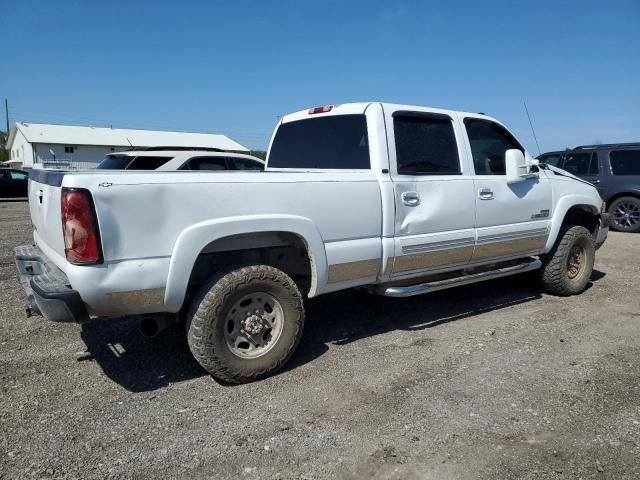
(25, 112)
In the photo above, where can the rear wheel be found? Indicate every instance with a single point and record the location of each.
(244, 325)
(626, 214)
(568, 267)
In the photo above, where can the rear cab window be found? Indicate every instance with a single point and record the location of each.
(625, 162)
(331, 142)
(147, 163)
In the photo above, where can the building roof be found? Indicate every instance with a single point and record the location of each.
(118, 137)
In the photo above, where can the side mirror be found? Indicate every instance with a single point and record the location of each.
(516, 166)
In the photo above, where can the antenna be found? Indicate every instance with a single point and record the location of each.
(129, 140)
(531, 124)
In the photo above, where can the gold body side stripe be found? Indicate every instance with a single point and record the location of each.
(343, 272)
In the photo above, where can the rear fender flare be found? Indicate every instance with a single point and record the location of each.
(193, 239)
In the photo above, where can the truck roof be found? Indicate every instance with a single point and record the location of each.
(358, 108)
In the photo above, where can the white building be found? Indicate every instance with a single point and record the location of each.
(35, 145)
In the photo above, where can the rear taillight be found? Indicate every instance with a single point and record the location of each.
(80, 227)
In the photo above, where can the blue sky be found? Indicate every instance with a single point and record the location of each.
(235, 66)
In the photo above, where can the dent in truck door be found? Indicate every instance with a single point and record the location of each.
(435, 209)
(512, 220)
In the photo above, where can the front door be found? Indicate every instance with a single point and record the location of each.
(512, 220)
(433, 191)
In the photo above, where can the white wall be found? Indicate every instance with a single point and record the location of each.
(82, 153)
(21, 150)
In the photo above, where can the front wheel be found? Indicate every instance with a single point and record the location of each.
(244, 325)
(568, 267)
(626, 214)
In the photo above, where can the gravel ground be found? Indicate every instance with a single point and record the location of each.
(488, 381)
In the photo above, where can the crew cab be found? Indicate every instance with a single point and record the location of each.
(399, 200)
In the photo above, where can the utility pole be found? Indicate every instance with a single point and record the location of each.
(6, 112)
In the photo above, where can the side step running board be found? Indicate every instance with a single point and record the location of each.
(421, 288)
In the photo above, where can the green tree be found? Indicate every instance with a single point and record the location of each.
(261, 154)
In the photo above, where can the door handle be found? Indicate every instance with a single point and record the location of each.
(485, 194)
(40, 195)
(595, 182)
(411, 199)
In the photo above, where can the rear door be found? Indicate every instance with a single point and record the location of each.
(512, 220)
(433, 192)
(18, 183)
(5, 183)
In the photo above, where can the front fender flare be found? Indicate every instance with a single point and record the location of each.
(564, 205)
(193, 239)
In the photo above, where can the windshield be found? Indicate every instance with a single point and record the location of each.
(115, 162)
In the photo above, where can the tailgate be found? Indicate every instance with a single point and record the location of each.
(44, 207)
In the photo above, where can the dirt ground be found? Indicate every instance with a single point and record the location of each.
(489, 381)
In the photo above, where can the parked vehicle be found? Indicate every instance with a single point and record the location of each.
(615, 171)
(398, 199)
(179, 158)
(550, 158)
(13, 183)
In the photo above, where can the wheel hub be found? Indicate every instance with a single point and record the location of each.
(575, 261)
(253, 324)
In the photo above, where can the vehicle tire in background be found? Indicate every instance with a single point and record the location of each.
(568, 267)
(626, 214)
(245, 324)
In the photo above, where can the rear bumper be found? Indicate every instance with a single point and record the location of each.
(47, 287)
(603, 229)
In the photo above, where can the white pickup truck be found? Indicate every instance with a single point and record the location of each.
(397, 199)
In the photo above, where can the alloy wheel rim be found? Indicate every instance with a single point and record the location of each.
(253, 325)
(627, 215)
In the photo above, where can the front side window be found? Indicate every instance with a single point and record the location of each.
(625, 162)
(552, 159)
(577, 163)
(489, 144)
(333, 142)
(425, 144)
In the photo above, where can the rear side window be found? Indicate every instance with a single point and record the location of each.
(425, 144)
(245, 164)
(625, 162)
(577, 163)
(18, 175)
(206, 163)
(489, 144)
(115, 162)
(338, 142)
(147, 163)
